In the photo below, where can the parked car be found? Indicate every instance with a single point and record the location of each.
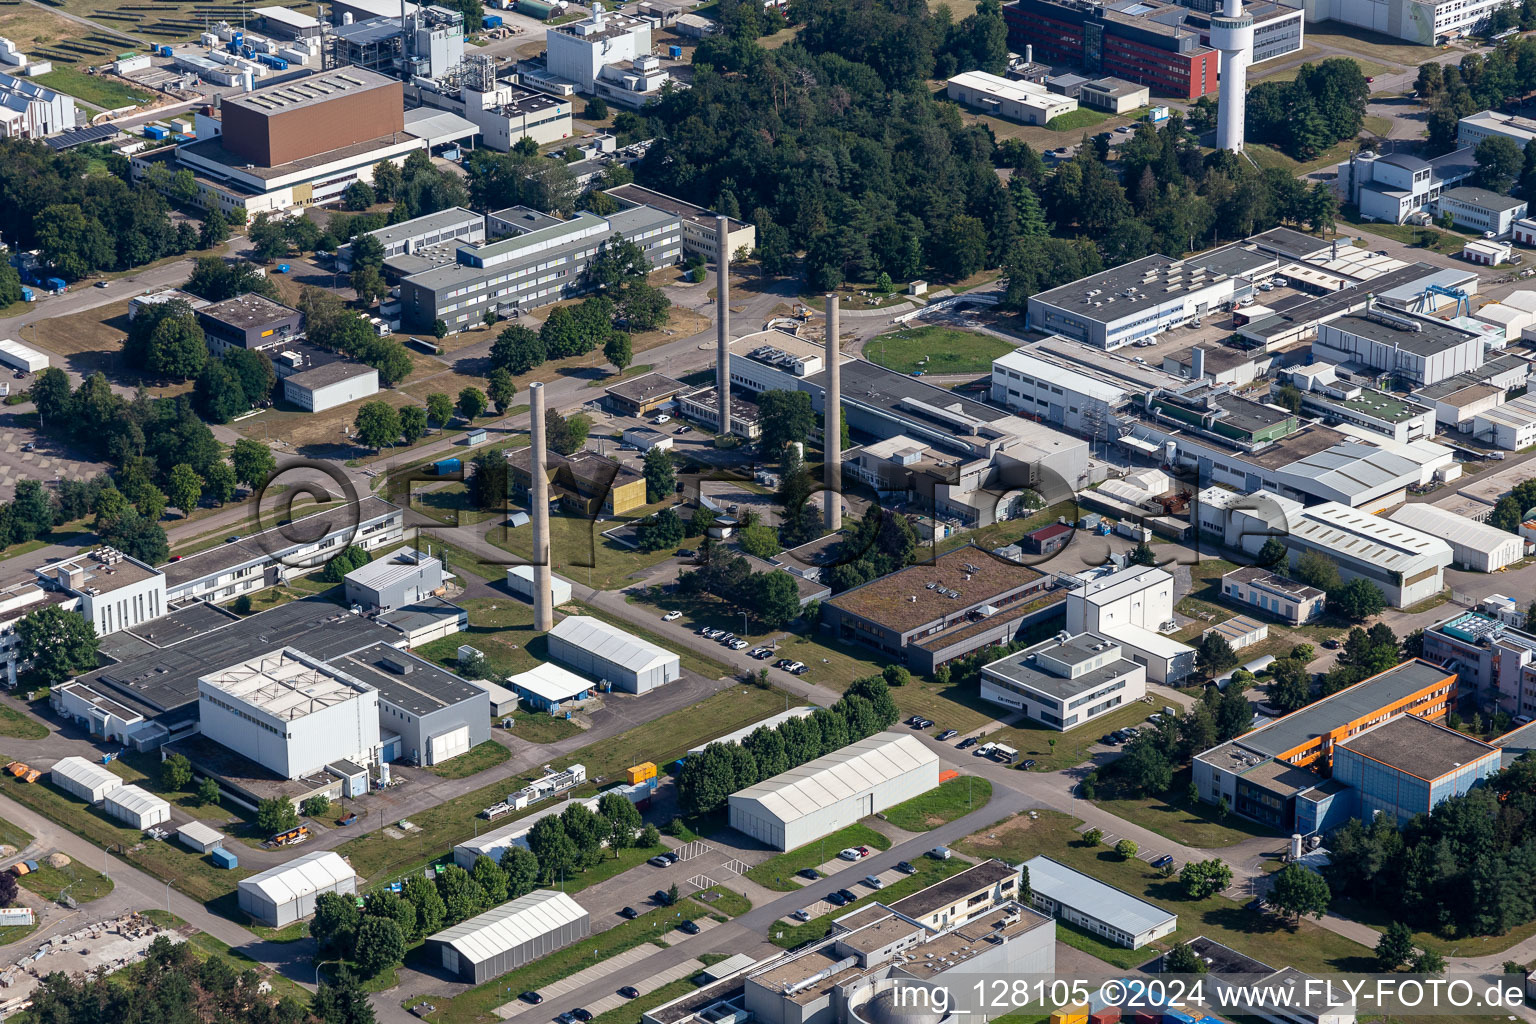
(738, 644)
(232, 538)
(913, 719)
(874, 882)
(948, 734)
(796, 667)
(688, 928)
(661, 897)
(663, 418)
(29, 447)
(810, 873)
(925, 723)
(629, 913)
(685, 552)
(906, 868)
(672, 616)
(1028, 764)
(101, 284)
(531, 997)
(967, 743)
(801, 915)
(1331, 644)
(761, 652)
(849, 854)
(848, 894)
(836, 899)
(1166, 860)
(783, 663)
(629, 992)
(863, 851)
(670, 857)
(581, 1014)
(566, 1018)
(1108, 739)
(659, 861)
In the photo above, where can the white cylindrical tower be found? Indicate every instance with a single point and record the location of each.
(832, 423)
(1232, 35)
(538, 509)
(723, 322)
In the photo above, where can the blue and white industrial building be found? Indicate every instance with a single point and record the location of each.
(1408, 766)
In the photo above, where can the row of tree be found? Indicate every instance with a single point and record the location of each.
(1149, 760)
(708, 779)
(771, 598)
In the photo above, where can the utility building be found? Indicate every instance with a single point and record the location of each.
(405, 577)
(833, 791)
(601, 651)
(1097, 907)
(505, 938)
(436, 714)
(79, 777)
(290, 713)
(1475, 546)
(136, 808)
(282, 895)
(1419, 351)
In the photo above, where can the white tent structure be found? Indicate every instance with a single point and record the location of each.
(138, 808)
(506, 937)
(834, 791)
(282, 895)
(87, 780)
(601, 651)
(1478, 546)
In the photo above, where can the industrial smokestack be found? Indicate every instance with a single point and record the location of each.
(538, 506)
(831, 424)
(723, 321)
(1029, 53)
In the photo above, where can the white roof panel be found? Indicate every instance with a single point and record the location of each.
(510, 925)
(85, 773)
(320, 871)
(551, 682)
(610, 643)
(839, 775)
(1448, 526)
(1095, 898)
(136, 801)
(200, 833)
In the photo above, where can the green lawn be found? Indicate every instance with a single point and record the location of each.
(775, 872)
(478, 1003)
(1071, 121)
(929, 872)
(17, 723)
(104, 92)
(541, 727)
(1307, 946)
(479, 757)
(501, 628)
(1054, 751)
(83, 884)
(936, 349)
(952, 799)
(14, 836)
(723, 901)
(377, 857)
(1196, 825)
(579, 550)
(1444, 242)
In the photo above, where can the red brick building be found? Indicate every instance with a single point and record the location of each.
(1144, 41)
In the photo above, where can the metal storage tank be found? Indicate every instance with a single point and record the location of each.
(509, 936)
(600, 651)
(79, 777)
(834, 791)
(282, 895)
(137, 807)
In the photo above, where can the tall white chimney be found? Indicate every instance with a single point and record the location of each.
(723, 321)
(831, 424)
(538, 507)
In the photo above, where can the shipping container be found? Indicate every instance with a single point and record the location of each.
(222, 858)
(156, 132)
(1108, 1015)
(1173, 1017)
(27, 294)
(1074, 1014)
(675, 52)
(1148, 1017)
(641, 772)
(493, 21)
(444, 467)
(56, 285)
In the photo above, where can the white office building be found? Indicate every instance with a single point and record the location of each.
(1390, 188)
(577, 52)
(1069, 384)
(835, 790)
(115, 592)
(1488, 124)
(1134, 301)
(290, 713)
(1278, 595)
(1097, 907)
(1511, 426)
(1478, 209)
(29, 110)
(1134, 608)
(1475, 546)
(1022, 101)
(1066, 681)
(1407, 564)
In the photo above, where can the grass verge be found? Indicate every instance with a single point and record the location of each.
(775, 872)
(723, 901)
(937, 349)
(479, 757)
(950, 800)
(81, 883)
(1194, 825)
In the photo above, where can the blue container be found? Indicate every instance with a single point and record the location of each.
(447, 466)
(27, 294)
(56, 284)
(238, 37)
(493, 21)
(154, 131)
(675, 52)
(222, 858)
(1172, 1017)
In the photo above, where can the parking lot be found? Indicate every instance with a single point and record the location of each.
(30, 455)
